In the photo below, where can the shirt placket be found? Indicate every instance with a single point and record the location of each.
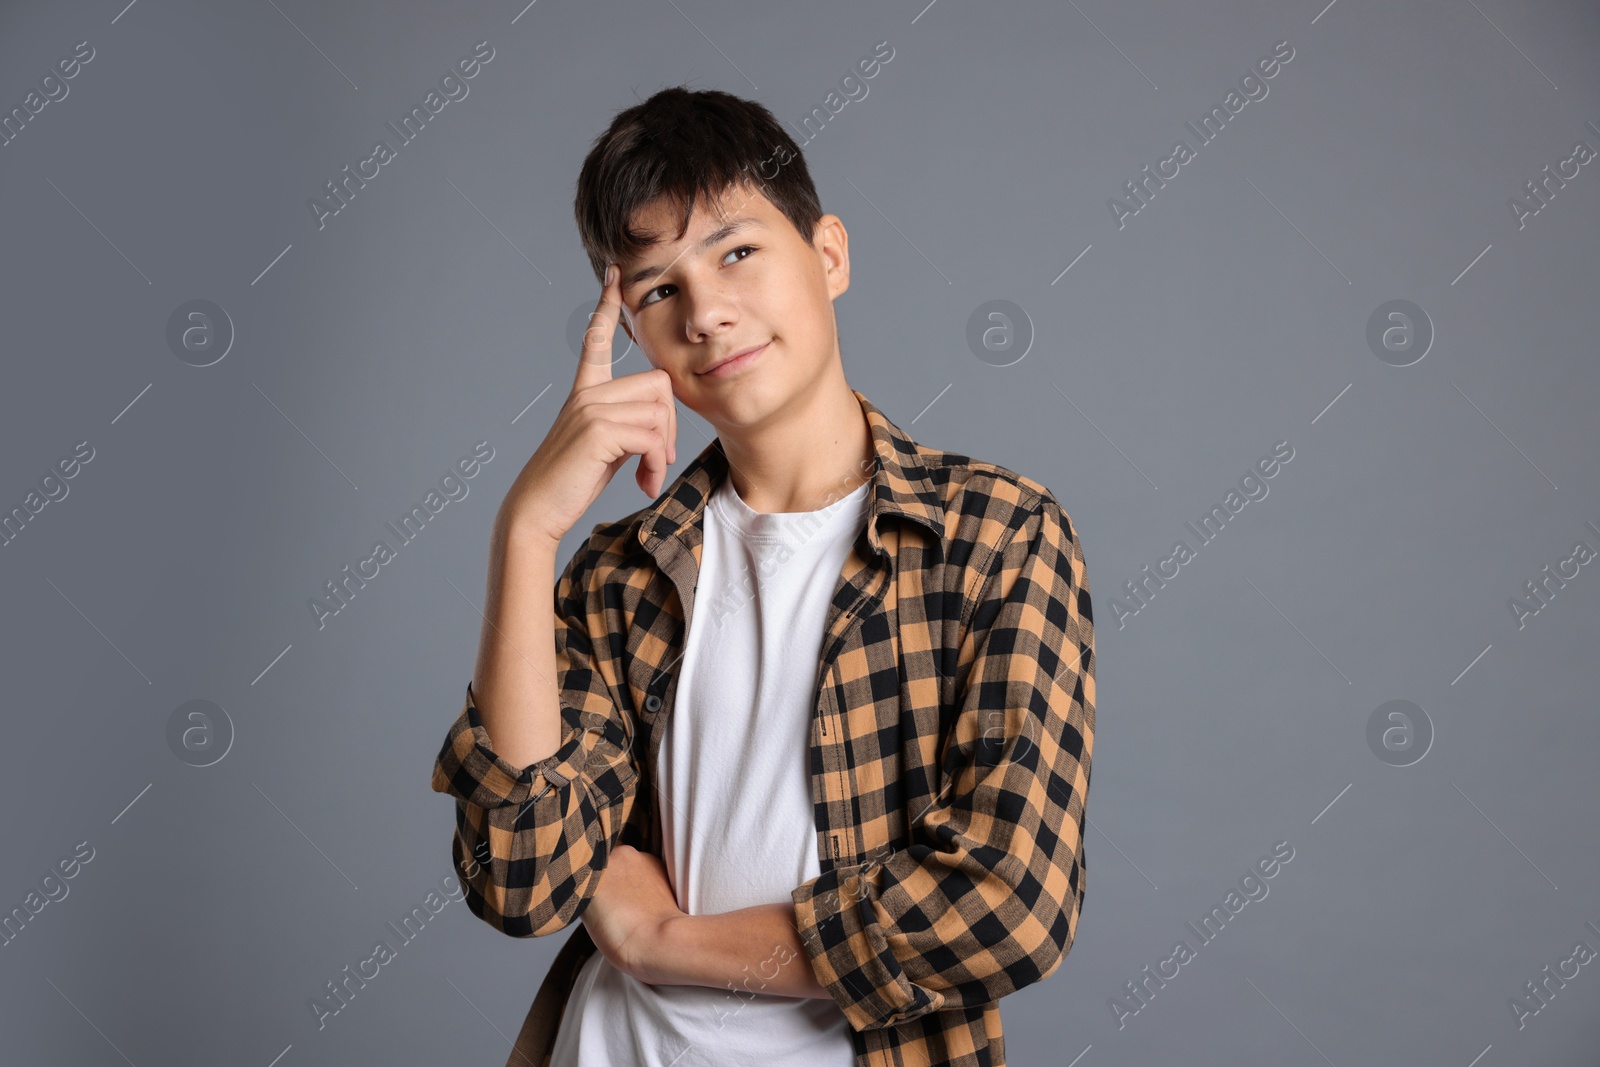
(831, 787)
(681, 564)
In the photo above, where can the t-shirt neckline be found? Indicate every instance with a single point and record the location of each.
(786, 526)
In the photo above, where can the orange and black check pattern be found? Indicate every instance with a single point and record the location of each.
(950, 751)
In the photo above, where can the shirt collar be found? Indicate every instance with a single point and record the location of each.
(900, 486)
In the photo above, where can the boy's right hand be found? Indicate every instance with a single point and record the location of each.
(603, 421)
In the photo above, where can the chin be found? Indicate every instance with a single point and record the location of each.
(752, 403)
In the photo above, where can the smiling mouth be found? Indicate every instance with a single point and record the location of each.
(734, 363)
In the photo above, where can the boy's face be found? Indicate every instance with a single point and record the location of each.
(740, 277)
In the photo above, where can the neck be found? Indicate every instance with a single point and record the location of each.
(817, 451)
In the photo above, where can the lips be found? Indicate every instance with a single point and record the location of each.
(734, 362)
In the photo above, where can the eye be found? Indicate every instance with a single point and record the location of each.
(646, 301)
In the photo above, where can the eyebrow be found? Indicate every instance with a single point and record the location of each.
(726, 230)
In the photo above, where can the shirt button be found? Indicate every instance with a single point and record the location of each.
(652, 703)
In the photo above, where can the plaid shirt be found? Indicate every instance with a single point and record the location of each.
(949, 751)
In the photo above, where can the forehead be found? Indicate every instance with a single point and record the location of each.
(659, 219)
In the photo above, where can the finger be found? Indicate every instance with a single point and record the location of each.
(630, 439)
(671, 429)
(648, 441)
(643, 441)
(594, 357)
(646, 413)
(652, 471)
(668, 428)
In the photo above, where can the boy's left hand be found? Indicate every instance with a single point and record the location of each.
(629, 908)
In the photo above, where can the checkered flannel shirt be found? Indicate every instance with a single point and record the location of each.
(949, 751)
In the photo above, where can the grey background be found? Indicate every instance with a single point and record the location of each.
(1228, 315)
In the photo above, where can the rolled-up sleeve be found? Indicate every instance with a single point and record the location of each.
(986, 898)
(531, 842)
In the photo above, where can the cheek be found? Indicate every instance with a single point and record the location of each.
(809, 309)
(675, 370)
(790, 302)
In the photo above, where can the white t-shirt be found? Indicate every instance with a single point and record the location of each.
(738, 827)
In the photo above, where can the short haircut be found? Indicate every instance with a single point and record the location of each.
(688, 146)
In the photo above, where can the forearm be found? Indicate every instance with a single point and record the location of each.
(514, 679)
(754, 950)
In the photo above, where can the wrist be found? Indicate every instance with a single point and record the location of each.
(659, 947)
(517, 529)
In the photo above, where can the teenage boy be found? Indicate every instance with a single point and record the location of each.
(806, 742)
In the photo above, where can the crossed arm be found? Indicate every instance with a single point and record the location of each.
(634, 920)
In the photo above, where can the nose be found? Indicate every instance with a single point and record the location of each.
(707, 312)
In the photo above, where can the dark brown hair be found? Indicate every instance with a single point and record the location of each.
(689, 146)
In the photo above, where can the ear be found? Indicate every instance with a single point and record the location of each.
(832, 245)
